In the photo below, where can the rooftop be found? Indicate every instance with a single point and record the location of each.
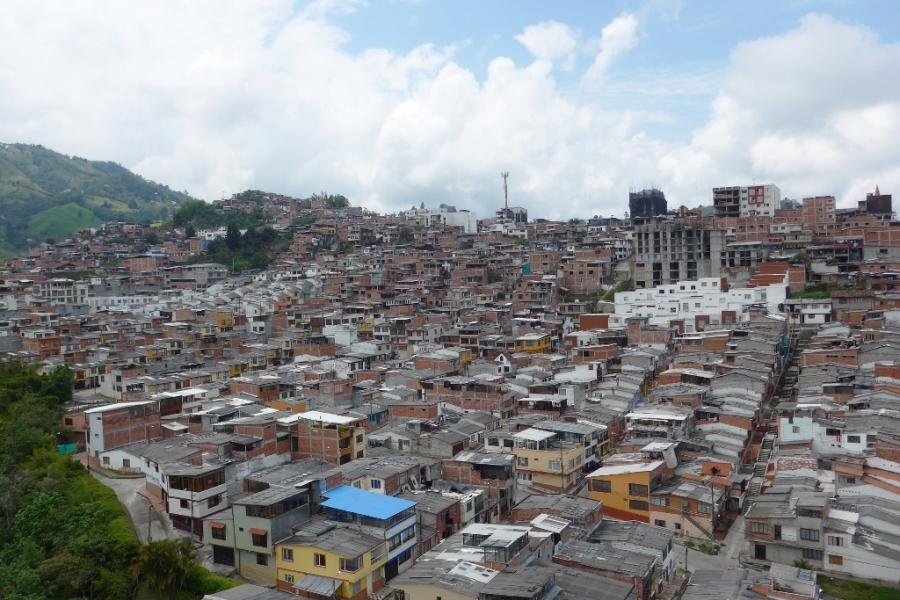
(367, 504)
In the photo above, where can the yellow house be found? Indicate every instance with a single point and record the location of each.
(533, 343)
(544, 460)
(224, 321)
(623, 484)
(325, 559)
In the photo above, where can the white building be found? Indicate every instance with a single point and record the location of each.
(447, 216)
(687, 300)
(760, 200)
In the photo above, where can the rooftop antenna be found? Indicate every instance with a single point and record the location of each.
(505, 176)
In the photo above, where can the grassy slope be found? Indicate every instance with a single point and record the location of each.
(60, 221)
(854, 590)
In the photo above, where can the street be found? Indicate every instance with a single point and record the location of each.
(139, 508)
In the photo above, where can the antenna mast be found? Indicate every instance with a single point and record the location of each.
(505, 176)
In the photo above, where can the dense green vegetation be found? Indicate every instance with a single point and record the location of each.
(255, 249)
(856, 590)
(46, 194)
(332, 200)
(202, 215)
(819, 291)
(622, 286)
(64, 533)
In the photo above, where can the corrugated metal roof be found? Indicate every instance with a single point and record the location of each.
(368, 504)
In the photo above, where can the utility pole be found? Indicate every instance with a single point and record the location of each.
(149, 521)
(505, 176)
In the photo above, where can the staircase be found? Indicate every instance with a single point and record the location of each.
(697, 524)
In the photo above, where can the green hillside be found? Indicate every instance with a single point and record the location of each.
(47, 194)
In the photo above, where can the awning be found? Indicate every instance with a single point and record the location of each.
(316, 584)
(255, 531)
(217, 525)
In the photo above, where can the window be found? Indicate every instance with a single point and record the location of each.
(834, 559)
(812, 554)
(213, 500)
(601, 485)
(636, 489)
(351, 565)
(289, 578)
(835, 540)
(555, 465)
(522, 461)
(218, 533)
(852, 439)
(809, 535)
(832, 431)
(851, 479)
(287, 554)
(377, 554)
(262, 559)
(757, 527)
(704, 507)
(375, 484)
(319, 559)
(184, 503)
(796, 429)
(638, 505)
(126, 463)
(106, 460)
(260, 539)
(659, 500)
(659, 523)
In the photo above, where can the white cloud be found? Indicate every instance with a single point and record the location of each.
(551, 41)
(814, 110)
(216, 96)
(621, 35)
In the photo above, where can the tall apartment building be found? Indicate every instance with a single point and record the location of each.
(746, 201)
(877, 203)
(668, 251)
(818, 214)
(647, 203)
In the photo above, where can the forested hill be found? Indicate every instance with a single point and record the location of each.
(45, 194)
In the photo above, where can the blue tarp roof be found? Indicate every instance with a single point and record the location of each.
(368, 504)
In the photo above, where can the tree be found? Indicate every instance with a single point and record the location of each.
(189, 231)
(232, 237)
(166, 565)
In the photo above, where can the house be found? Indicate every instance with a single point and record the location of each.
(337, 439)
(244, 536)
(325, 559)
(385, 517)
(115, 425)
(624, 484)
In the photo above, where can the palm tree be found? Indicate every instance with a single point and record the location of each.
(165, 565)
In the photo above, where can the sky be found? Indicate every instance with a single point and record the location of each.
(395, 103)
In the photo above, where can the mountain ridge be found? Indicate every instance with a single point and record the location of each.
(47, 194)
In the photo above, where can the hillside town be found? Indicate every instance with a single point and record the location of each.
(678, 403)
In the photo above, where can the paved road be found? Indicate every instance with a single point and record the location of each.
(735, 541)
(139, 508)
